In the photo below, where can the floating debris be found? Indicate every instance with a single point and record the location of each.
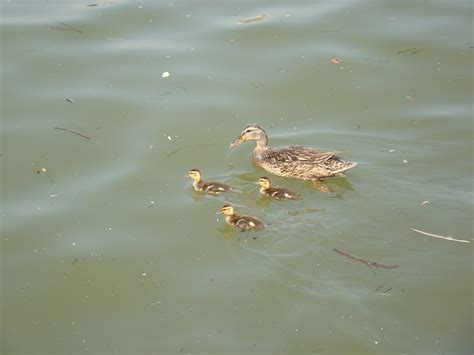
(165, 74)
(70, 100)
(70, 130)
(251, 19)
(424, 203)
(45, 172)
(174, 152)
(368, 263)
(410, 98)
(413, 50)
(65, 28)
(440, 236)
(335, 61)
(378, 288)
(91, 5)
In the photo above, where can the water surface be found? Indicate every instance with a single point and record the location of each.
(112, 252)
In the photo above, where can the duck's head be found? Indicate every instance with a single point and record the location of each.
(227, 210)
(251, 132)
(264, 182)
(194, 174)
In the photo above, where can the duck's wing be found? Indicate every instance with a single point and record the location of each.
(215, 187)
(282, 193)
(304, 154)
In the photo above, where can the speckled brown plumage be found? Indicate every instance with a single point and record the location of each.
(296, 161)
(278, 193)
(214, 188)
(242, 222)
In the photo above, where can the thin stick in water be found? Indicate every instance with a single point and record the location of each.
(366, 262)
(440, 236)
(70, 130)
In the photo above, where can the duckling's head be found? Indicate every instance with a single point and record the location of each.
(264, 182)
(251, 132)
(227, 210)
(194, 174)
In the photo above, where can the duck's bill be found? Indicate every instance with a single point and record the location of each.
(236, 142)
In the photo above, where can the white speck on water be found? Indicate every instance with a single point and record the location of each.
(405, 161)
(165, 74)
(74, 243)
(376, 342)
(297, 330)
(391, 150)
(140, 6)
(169, 138)
(36, 250)
(151, 146)
(150, 20)
(424, 203)
(110, 228)
(188, 15)
(144, 274)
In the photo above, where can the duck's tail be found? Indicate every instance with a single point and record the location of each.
(346, 165)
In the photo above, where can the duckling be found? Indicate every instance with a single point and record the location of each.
(214, 188)
(295, 161)
(266, 189)
(242, 222)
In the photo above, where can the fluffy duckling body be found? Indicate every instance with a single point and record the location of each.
(279, 193)
(214, 188)
(295, 161)
(242, 222)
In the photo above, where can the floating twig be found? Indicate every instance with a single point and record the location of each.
(69, 100)
(66, 28)
(252, 19)
(368, 263)
(440, 236)
(378, 288)
(174, 152)
(70, 130)
(413, 50)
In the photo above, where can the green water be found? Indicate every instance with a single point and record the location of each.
(112, 252)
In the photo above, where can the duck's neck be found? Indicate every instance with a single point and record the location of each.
(231, 218)
(262, 190)
(262, 143)
(198, 184)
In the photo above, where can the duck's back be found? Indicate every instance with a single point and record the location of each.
(301, 162)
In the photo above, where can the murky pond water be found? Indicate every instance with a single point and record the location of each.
(110, 251)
